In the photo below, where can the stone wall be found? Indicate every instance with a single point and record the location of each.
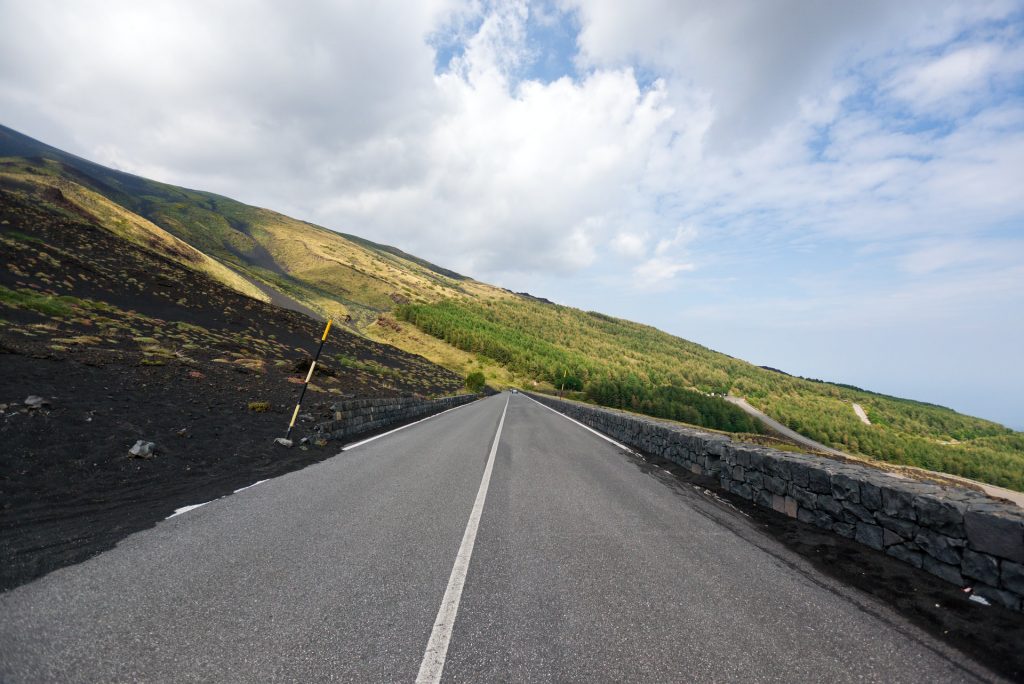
(960, 535)
(354, 417)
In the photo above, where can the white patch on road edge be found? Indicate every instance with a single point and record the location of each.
(407, 425)
(437, 647)
(185, 509)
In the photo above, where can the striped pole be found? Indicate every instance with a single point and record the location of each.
(309, 375)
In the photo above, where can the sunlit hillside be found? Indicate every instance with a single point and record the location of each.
(618, 363)
(390, 296)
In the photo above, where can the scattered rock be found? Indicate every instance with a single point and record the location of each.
(283, 442)
(34, 402)
(304, 440)
(306, 417)
(182, 432)
(143, 449)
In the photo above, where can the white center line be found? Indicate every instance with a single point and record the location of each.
(437, 648)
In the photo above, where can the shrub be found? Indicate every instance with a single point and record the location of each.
(475, 381)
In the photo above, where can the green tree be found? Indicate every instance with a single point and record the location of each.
(475, 381)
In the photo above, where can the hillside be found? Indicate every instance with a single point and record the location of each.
(390, 296)
(123, 341)
(336, 275)
(627, 365)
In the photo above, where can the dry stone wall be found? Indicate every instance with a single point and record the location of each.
(957, 534)
(354, 417)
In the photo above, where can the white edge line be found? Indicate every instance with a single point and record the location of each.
(192, 507)
(185, 509)
(437, 647)
(407, 425)
(585, 427)
(249, 486)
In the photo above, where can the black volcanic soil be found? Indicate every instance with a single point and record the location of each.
(125, 344)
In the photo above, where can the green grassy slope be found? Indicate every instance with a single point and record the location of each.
(626, 365)
(345, 277)
(468, 326)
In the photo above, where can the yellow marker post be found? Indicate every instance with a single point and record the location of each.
(309, 376)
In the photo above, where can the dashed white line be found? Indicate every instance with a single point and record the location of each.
(437, 647)
(192, 507)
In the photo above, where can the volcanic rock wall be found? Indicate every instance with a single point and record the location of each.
(960, 535)
(354, 417)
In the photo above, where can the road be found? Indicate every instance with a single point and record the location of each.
(783, 430)
(862, 415)
(583, 564)
(992, 490)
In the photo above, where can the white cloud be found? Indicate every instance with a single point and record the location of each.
(933, 256)
(684, 235)
(658, 273)
(801, 138)
(958, 78)
(632, 245)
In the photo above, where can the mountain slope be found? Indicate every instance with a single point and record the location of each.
(627, 365)
(122, 342)
(340, 276)
(516, 339)
(43, 183)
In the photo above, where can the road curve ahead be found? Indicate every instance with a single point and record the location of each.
(582, 565)
(782, 429)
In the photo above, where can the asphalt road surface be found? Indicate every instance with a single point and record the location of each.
(543, 553)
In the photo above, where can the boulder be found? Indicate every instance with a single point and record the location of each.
(143, 449)
(34, 401)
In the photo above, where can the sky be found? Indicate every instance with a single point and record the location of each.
(831, 188)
